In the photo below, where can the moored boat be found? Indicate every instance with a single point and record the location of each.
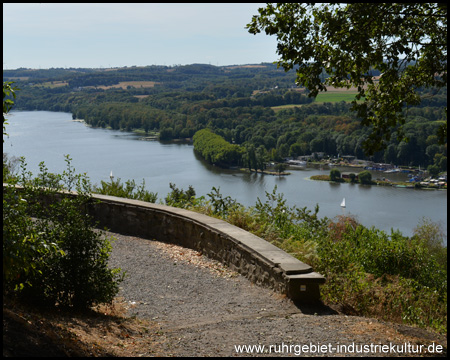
(297, 163)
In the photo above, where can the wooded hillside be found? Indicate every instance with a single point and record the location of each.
(256, 106)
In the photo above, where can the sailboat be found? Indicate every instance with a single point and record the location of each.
(343, 203)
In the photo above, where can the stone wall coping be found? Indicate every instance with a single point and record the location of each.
(274, 255)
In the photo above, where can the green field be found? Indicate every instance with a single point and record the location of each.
(335, 96)
(281, 107)
(323, 97)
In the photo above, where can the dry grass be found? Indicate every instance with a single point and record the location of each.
(103, 331)
(179, 254)
(125, 84)
(10, 78)
(55, 84)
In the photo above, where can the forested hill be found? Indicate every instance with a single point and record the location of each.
(256, 106)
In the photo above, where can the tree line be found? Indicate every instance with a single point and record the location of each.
(215, 149)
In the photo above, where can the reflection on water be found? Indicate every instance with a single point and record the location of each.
(47, 136)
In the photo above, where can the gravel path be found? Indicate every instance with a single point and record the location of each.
(204, 309)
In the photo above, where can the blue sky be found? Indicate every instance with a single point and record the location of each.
(44, 35)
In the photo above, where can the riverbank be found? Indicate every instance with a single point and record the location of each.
(403, 185)
(265, 172)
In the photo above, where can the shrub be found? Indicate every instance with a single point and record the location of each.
(352, 177)
(431, 235)
(392, 277)
(365, 177)
(220, 205)
(128, 190)
(179, 197)
(335, 175)
(51, 253)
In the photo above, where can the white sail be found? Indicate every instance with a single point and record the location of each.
(343, 203)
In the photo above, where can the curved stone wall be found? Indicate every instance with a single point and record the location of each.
(261, 262)
(251, 256)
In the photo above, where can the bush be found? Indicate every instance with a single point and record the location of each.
(51, 255)
(365, 177)
(220, 205)
(335, 175)
(179, 197)
(431, 235)
(392, 277)
(128, 190)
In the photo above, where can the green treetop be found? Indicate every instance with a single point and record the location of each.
(405, 42)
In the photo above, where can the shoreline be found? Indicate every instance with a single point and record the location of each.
(265, 172)
(400, 185)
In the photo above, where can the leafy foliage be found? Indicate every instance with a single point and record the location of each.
(405, 43)
(220, 205)
(215, 149)
(51, 255)
(8, 103)
(365, 177)
(335, 175)
(128, 190)
(179, 197)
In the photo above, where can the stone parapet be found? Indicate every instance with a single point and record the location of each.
(258, 260)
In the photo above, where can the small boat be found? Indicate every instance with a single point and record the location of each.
(343, 203)
(296, 163)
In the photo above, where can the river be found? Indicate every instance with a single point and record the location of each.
(48, 136)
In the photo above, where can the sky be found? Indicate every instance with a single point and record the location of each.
(43, 36)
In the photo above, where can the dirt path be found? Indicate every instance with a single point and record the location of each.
(204, 309)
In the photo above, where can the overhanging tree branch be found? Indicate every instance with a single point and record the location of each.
(406, 42)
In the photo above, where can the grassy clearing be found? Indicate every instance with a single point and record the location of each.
(54, 84)
(283, 107)
(125, 84)
(331, 96)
